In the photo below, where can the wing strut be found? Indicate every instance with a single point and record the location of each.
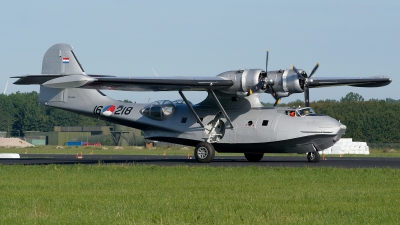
(221, 108)
(191, 109)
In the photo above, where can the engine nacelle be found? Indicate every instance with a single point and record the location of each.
(284, 82)
(243, 80)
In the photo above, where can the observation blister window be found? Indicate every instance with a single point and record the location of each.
(159, 110)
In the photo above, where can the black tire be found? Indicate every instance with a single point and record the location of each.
(313, 157)
(254, 157)
(204, 152)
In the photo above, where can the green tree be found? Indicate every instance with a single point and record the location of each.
(6, 112)
(352, 97)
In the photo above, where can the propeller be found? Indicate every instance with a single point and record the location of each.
(264, 83)
(261, 79)
(304, 81)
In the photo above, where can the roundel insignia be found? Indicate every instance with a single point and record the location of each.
(108, 110)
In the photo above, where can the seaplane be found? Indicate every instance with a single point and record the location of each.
(231, 119)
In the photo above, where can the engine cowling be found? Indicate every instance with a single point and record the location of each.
(284, 82)
(243, 80)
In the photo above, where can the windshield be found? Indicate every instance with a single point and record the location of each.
(299, 112)
(305, 111)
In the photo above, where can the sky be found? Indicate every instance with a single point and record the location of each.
(206, 38)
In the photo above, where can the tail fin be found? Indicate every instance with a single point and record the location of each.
(59, 65)
(60, 59)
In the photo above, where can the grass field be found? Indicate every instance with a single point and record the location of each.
(133, 150)
(122, 194)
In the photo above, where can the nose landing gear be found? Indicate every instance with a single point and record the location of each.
(313, 157)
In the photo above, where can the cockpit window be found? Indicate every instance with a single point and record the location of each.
(299, 112)
(305, 111)
(159, 110)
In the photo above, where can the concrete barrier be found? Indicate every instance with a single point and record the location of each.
(347, 146)
(9, 156)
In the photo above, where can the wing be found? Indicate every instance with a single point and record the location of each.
(104, 82)
(159, 83)
(376, 81)
(61, 69)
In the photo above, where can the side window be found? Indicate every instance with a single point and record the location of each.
(265, 122)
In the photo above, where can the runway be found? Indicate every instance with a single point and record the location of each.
(237, 161)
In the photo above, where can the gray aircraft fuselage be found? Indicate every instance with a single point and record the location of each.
(257, 129)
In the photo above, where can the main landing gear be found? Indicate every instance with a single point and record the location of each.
(254, 157)
(313, 157)
(204, 152)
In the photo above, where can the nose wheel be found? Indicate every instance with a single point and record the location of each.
(313, 157)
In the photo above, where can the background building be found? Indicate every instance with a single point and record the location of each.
(105, 135)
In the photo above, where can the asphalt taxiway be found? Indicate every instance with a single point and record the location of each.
(173, 160)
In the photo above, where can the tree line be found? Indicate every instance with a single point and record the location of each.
(373, 121)
(22, 112)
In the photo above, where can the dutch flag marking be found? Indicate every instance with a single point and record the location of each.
(65, 60)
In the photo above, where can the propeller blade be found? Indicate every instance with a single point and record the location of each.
(261, 83)
(307, 96)
(298, 73)
(277, 101)
(255, 88)
(295, 70)
(315, 69)
(273, 93)
(266, 62)
(250, 92)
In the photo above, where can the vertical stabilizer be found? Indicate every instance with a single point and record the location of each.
(60, 59)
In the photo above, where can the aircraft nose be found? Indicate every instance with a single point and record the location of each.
(341, 131)
(331, 130)
(324, 125)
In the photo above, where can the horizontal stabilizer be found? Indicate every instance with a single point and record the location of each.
(71, 81)
(43, 78)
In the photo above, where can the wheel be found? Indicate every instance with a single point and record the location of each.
(204, 152)
(254, 157)
(313, 157)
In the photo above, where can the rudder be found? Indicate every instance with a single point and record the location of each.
(61, 59)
